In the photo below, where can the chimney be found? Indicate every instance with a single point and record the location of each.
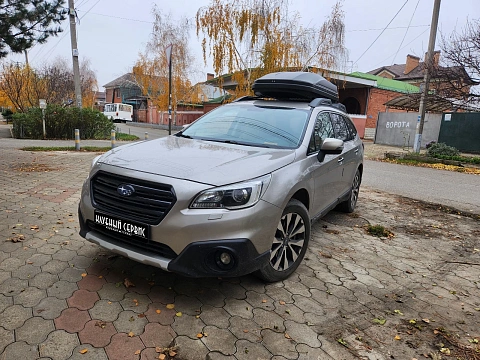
(412, 63)
(210, 76)
(436, 58)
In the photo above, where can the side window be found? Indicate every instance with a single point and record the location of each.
(351, 127)
(340, 127)
(323, 129)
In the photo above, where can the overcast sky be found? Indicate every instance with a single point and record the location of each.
(111, 33)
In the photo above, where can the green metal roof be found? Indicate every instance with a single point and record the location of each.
(388, 84)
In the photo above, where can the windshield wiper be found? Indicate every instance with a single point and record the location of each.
(181, 134)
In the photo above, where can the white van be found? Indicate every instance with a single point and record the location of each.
(118, 112)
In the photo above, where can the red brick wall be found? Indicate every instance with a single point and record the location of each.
(109, 94)
(359, 94)
(376, 101)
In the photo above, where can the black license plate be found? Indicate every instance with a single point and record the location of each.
(121, 226)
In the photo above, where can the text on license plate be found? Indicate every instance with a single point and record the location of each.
(121, 226)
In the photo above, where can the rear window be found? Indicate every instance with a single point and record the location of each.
(263, 126)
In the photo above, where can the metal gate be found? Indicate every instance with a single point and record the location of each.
(461, 130)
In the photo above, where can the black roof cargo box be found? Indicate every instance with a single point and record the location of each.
(295, 85)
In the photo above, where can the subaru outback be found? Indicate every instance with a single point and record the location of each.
(235, 192)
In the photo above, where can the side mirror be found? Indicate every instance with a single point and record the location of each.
(330, 146)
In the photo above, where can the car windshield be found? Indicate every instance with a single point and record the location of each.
(264, 126)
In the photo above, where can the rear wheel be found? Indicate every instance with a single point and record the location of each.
(348, 205)
(290, 243)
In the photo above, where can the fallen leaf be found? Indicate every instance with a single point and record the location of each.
(178, 314)
(100, 277)
(101, 324)
(34, 227)
(141, 315)
(137, 352)
(287, 336)
(343, 342)
(162, 357)
(398, 312)
(109, 303)
(397, 337)
(172, 353)
(16, 238)
(282, 302)
(84, 274)
(199, 335)
(170, 306)
(131, 334)
(245, 331)
(158, 349)
(445, 351)
(83, 351)
(426, 321)
(30, 262)
(128, 283)
(379, 321)
(158, 311)
(264, 301)
(151, 283)
(413, 322)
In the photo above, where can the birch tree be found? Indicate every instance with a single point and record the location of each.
(250, 38)
(151, 68)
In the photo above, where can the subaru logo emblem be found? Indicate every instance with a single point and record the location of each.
(126, 190)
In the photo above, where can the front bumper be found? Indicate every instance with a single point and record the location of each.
(199, 259)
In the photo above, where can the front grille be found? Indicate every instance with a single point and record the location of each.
(149, 204)
(144, 246)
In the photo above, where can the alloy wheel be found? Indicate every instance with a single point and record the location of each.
(288, 242)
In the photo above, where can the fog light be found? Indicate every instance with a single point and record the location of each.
(225, 258)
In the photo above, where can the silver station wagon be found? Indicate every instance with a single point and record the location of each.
(236, 191)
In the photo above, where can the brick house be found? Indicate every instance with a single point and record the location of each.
(443, 79)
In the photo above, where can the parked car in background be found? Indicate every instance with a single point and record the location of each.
(236, 191)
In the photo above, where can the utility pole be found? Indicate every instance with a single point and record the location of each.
(426, 80)
(76, 67)
(169, 59)
(26, 57)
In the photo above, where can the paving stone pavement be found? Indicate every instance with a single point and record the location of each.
(64, 298)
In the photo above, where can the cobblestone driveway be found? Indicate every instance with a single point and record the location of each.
(355, 295)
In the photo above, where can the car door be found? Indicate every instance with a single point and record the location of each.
(326, 174)
(348, 159)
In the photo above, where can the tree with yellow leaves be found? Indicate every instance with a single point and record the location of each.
(251, 38)
(151, 69)
(24, 85)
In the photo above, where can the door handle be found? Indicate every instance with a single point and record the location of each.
(356, 151)
(340, 160)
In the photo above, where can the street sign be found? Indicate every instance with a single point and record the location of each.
(43, 103)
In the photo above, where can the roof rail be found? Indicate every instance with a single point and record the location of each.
(320, 101)
(327, 102)
(245, 98)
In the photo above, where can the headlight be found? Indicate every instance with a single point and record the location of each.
(94, 161)
(236, 196)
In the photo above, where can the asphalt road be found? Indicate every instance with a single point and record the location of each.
(458, 190)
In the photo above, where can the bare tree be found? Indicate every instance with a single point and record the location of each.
(461, 55)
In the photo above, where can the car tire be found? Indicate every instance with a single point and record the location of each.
(348, 206)
(290, 243)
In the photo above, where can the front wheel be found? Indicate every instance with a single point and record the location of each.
(348, 205)
(290, 243)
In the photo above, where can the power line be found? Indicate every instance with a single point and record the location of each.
(391, 28)
(385, 28)
(89, 9)
(406, 31)
(383, 61)
(122, 18)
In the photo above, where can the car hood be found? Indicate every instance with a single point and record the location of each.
(198, 160)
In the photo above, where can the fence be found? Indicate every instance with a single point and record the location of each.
(398, 129)
(461, 130)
